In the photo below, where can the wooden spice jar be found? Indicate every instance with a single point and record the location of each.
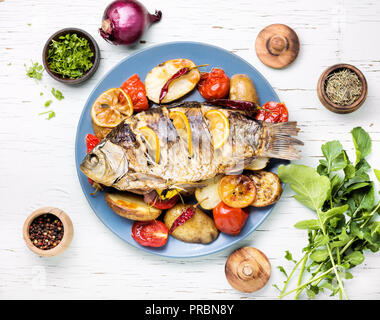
(247, 269)
(64, 224)
(339, 108)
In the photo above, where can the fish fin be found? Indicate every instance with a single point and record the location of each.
(278, 141)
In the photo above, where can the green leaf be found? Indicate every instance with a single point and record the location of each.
(333, 152)
(364, 198)
(347, 275)
(319, 255)
(288, 256)
(377, 174)
(312, 224)
(362, 142)
(312, 291)
(57, 94)
(321, 240)
(343, 239)
(356, 186)
(312, 189)
(356, 230)
(34, 71)
(334, 212)
(355, 258)
(281, 268)
(349, 171)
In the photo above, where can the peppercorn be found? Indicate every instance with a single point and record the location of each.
(46, 231)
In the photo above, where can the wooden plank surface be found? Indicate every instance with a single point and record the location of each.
(37, 156)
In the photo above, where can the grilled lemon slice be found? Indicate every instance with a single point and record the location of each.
(111, 107)
(181, 123)
(219, 127)
(152, 141)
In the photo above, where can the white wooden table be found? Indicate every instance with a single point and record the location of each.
(37, 156)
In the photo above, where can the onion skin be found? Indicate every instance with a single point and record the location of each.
(125, 21)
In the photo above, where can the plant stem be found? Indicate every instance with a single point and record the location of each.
(341, 288)
(300, 276)
(291, 274)
(306, 283)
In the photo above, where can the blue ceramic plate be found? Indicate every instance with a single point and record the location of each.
(141, 63)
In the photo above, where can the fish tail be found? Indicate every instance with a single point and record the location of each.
(278, 141)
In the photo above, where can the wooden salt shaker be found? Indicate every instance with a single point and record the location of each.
(247, 269)
(277, 46)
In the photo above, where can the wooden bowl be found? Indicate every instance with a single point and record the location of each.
(95, 58)
(336, 107)
(68, 231)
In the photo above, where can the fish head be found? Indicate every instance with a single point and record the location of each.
(106, 163)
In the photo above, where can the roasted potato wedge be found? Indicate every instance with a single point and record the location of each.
(242, 88)
(200, 228)
(100, 132)
(258, 164)
(268, 188)
(159, 75)
(208, 196)
(131, 206)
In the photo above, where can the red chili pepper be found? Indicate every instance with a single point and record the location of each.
(178, 74)
(185, 215)
(235, 104)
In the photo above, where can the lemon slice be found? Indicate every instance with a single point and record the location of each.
(219, 127)
(181, 123)
(111, 107)
(152, 141)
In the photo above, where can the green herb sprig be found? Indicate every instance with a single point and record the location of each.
(70, 56)
(50, 113)
(57, 94)
(343, 197)
(34, 71)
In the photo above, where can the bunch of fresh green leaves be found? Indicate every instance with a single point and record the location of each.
(343, 197)
(70, 56)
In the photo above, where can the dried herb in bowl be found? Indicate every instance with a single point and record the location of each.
(343, 87)
(70, 56)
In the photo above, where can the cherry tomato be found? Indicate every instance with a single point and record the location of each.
(91, 141)
(136, 90)
(237, 191)
(214, 84)
(277, 112)
(150, 233)
(229, 220)
(152, 198)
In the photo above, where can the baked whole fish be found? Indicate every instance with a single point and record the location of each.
(124, 159)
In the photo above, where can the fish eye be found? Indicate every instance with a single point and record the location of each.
(94, 159)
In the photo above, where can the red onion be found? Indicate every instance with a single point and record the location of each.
(125, 21)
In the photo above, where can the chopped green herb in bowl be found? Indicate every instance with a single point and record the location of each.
(71, 56)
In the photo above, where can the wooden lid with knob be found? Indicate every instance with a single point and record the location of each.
(277, 46)
(247, 269)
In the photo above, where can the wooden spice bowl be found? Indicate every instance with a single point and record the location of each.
(336, 107)
(68, 231)
(93, 46)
